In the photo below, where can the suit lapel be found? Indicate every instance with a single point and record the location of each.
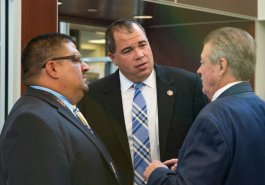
(114, 109)
(59, 105)
(65, 112)
(166, 94)
(91, 136)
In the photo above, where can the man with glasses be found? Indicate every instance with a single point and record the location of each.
(45, 141)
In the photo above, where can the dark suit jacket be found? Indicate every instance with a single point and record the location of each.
(103, 108)
(225, 145)
(43, 143)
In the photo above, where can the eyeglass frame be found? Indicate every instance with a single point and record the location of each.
(73, 58)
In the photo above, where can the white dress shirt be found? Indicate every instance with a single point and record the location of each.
(221, 90)
(150, 94)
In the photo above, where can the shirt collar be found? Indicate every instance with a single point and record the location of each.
(57, 95)
(221, 90)
(126, 84)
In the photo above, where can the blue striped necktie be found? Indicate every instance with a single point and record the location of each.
(141, 143)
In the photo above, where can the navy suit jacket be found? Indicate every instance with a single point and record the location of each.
(43, 143)
(103, 108)
(225, 145)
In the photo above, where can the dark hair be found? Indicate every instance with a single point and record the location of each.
(38, 50)
(120, 24)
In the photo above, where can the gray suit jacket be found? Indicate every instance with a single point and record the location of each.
(103, 108)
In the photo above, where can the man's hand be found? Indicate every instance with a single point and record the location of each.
(152, 166)
(172, 163)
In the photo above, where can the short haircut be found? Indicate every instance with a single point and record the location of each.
(38, 50)
(237, 46)
(120, 24)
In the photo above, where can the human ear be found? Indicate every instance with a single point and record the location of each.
(222, 62)
(52, 69)
(111, 55)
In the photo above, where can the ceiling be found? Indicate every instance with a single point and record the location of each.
(106, 11)
(109, 10)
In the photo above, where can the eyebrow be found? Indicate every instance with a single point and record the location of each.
(130, 47)
(143, 41)
(127, 48)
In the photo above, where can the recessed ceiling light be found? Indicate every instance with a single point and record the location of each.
(98, 41)
(100, 33)
(92, 10)
(143, 17)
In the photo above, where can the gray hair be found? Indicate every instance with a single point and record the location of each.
(235, 45)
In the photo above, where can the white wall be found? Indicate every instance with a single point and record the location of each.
(14, 52)
(2, 63)
(13, 80)
(260, 39)
(260, 66)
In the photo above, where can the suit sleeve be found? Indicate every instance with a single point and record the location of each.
(203, 160)
(33, 154)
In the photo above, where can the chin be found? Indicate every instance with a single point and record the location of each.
(85, 88)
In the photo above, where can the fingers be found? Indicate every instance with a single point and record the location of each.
(172, 164)
(151, 167)
(174, 167)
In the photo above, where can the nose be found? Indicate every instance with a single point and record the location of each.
(199, 71)
(84, 67)
(138, 53)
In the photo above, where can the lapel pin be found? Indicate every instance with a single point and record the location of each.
(61, 102)
(170, 93)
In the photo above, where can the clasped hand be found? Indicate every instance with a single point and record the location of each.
(172, 164)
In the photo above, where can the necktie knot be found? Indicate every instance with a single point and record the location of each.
(138, 85)
(74, 108)
(80, 116)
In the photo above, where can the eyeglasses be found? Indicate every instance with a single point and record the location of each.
(73, 58)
